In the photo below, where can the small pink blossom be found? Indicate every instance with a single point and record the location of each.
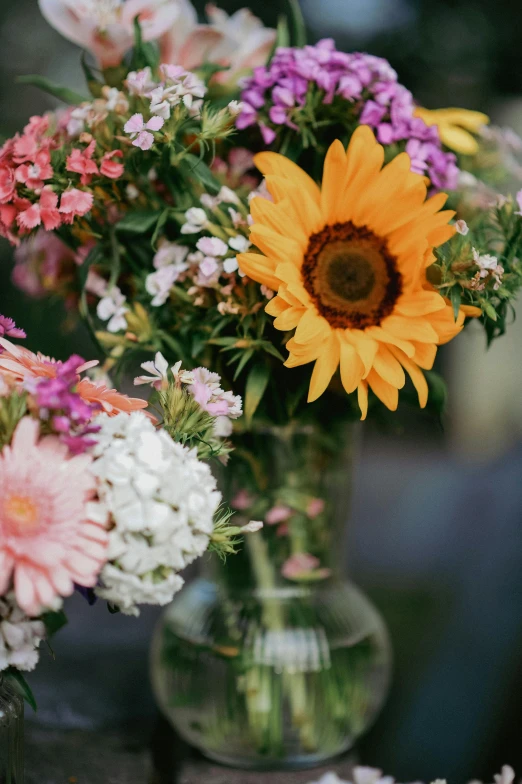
(242, 500)
(33, 175)
(212, 246)
(278, 514)
(315, 508)
(80, 162)
(7, 184)
(138, 130)
(302, 566)
(110, 167)
(75, 202)
(45, 211)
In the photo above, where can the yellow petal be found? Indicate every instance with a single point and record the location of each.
(418, 303)
(275, 246)
(362, 398)
(425, 354)
(387, 394)
(274, 163)
(365, 347)
(276, 306)
(386, 337)
(289, 319)
(389, 369)
(412, 328)
(310, 327)
(335, 166)
(278, 217)
(259, 268)
(352, 368)
(325, 366)
(415, 373)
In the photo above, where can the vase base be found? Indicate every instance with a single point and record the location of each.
(242, 768)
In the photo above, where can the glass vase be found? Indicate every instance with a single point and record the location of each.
(11, 735)
(272, 660)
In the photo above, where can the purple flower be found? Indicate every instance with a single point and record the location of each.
(366, 82)
(8, 329)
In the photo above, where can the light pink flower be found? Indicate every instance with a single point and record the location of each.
(212, 246)
(138, 130)
(48, 541)
(106, 27)
(7, 184)
(278, 514)
(239, 41)
(75, 202)
(112, 168)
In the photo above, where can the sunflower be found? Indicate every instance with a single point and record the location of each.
(456, 127)
(348, 264)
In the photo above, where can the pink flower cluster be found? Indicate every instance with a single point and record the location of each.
(274, 95)
(31, 194)
(63, 408)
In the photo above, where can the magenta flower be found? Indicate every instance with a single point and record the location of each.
(8, 329)
(274, 96)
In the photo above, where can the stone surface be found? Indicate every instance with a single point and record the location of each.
(96, 757)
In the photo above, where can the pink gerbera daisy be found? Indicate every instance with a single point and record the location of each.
(47, 541)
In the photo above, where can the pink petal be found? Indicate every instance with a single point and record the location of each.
(155, 123)
(135, 124)
(144, 140)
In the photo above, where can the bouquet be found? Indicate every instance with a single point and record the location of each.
(286, 221)
(97, 495)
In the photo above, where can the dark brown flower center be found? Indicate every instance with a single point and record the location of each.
(351, 276)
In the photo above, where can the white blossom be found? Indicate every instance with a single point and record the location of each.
(170, 253)
(462, 227)
(20, 636)
(112, 309)
(157, 370)
(158, 284)
(162, 501)
(195, 221)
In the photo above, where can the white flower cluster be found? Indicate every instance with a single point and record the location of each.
(20, 636)
(178, 86)
(363, 775)
(162, 501)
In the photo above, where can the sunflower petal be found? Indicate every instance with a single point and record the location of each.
(289, 319)
(274, 163)
(335, 165)
(362, 398)
(325, 366)
(387, 394)
(389, 369)
(352, 368)
(415, 373)
(311, 326)
(259, 268)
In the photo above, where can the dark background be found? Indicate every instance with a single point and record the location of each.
(436, 530)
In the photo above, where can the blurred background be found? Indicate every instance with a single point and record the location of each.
(435, 535)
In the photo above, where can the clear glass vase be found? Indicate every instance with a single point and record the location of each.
(272, 660)
(11, 735)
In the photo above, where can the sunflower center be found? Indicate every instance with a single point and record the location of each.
(351, 276)
(21, 515)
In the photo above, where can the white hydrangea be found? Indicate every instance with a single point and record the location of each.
(162, 501)
(20, 636)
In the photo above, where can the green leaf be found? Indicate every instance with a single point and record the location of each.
(255, 389)
(93, 257)
(245, 357)
(298, 24)
(54, 621)
(144, 53)
(139, 221)
(19, 685)
(489, 310)
(63, 93)
(199, 169)
(95, 86)
(455, 299)
(162, 220)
